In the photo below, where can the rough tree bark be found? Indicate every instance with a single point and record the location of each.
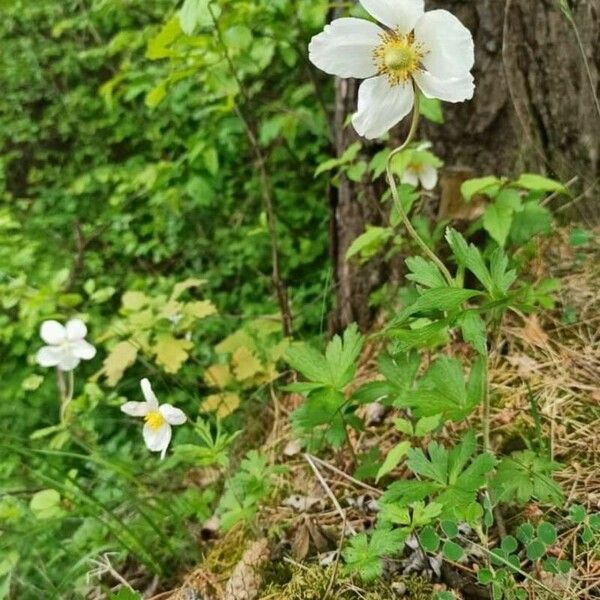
(534, 109)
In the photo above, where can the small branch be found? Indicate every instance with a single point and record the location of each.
(278, 284)
(327, 489)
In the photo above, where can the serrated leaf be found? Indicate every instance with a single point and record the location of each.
(121, 357)
(222, 404)
(245, 364)
(438, 300)
(474, 331)
(535, 550)
(525, 533)
(218, 376)
(426, 425)
(547, 533)
(200, 309)
(392, 460)
(425, 273)
(171, 353)
(509, 544)
(469, 257)
(577, 513)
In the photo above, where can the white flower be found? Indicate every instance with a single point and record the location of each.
(66, 345)
(432, 50)
(418, 173)
(159, 418)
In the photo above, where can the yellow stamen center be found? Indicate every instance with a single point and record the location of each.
(398, 56)
(155, 420)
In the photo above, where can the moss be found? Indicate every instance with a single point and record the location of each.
(289, 582)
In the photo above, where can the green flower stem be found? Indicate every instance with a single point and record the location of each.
(398, 204)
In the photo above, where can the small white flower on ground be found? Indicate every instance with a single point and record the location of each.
(418, 173)
(158, 419)
(66, 345)
(431, 50)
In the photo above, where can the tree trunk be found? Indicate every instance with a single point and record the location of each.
(535, 109)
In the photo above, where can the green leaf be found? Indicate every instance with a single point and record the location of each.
(392, 460)
(535, 550)
(525, 475)
(341, 355)
(509, 544)
(547, 533)
(426, 425)
(425, 273)
(531, 221)
(485, 576)
(497, 221)
(369, 243)
(429, 539)
(438, 300)
(473, 187)
(538, 183)
(363, 554)
(449, 528)
(431, 109)
(474, 331)
(587, 535)
(469, 257)
(452, 551)
(46, 504)
(194, 13)
(525, 533)
(577, 513)
(125, 594)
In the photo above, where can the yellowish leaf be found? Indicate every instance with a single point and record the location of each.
(134, 300)
(171, 352)
(245, 364)
(200, 309)
(234, 341)
(218, 376)
(120, 358)
(181, 287)
(223, 404)
(171, 310)
(141, 320)
(267, 376)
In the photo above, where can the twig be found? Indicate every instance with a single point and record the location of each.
(336, 565)
(341, 473)
(278, 284)
(327, 489)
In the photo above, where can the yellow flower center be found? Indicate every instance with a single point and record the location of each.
(155, 420)
(398, 56)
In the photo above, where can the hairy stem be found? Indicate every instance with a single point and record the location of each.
(396, 197)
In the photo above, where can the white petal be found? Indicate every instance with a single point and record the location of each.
(135, 409)
(396, 14)
(68, 361)
(381, 106)
(345, 48)
(53, 333)
(76, 330)
(83, 349)
(410, 177)
(456, 89)
(149, 394)
(448, 44)
(173, 416)
(48, 356)
(428, 176)
(157, 440)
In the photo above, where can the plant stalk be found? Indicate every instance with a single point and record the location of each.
(396, 197)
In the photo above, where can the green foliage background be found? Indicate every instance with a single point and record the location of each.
(117, 173)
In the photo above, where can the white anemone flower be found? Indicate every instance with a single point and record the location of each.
(66, 345)
(158, 419)
(432, 51)
(419, 174)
